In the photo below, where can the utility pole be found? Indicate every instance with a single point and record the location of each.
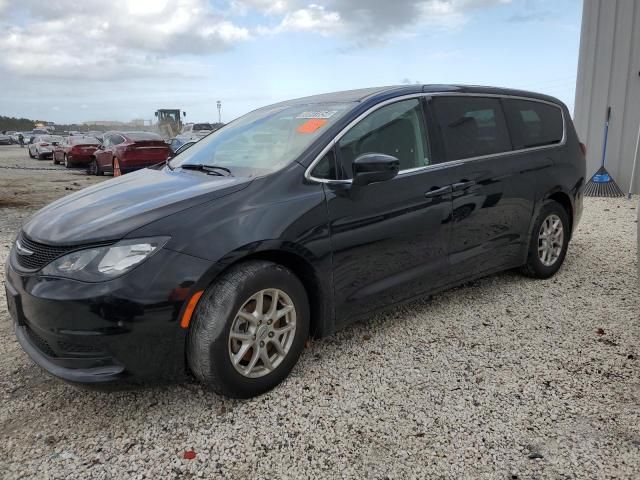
(219, 104)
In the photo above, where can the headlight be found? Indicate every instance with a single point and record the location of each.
(104, 263)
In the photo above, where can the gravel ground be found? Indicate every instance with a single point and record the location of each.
(506, 377)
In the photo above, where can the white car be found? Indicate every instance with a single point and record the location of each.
(5, 139)
(42, 146)
(195, 131)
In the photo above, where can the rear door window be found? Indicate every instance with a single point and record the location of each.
(533, 124)
(471, 126)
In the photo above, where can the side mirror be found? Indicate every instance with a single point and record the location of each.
(374, 167)
(100, 147)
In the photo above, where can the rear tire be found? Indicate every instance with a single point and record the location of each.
(94, 168)
(211, 345)
(67, 164)
(55, 160)
(549, 241)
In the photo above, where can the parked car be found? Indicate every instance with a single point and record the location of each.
(292, 221)
(75, 150)
(5, 139)
(128, 151)
(195, 131)
(25, 136)
(41, 146)
(10, 134)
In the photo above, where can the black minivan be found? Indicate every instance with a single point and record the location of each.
(290, 222)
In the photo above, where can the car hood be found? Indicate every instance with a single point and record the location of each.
(112, 209)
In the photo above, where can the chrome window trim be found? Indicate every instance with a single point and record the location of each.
(341, 133)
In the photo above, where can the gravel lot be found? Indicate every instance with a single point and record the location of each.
(506, 377)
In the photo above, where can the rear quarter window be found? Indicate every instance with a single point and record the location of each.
(533, 124)
(472, 126)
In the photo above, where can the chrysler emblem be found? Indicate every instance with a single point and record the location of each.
(22, 250)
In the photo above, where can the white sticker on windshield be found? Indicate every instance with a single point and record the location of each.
(321, 114)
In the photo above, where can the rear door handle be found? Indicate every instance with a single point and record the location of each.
(456, 187)
(437, 192)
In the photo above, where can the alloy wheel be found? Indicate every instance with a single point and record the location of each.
(262, 333)
(550, 240)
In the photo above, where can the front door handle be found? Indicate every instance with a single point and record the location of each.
(437, 192)
(465, 184)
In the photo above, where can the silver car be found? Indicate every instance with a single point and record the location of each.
(42, 146)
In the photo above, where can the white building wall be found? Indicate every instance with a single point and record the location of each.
(609, 75)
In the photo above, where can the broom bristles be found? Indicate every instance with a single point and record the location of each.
(602, 185)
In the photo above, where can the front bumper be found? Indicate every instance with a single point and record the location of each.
(125, 330)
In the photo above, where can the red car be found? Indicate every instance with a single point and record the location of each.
(122, 152)
(74, 151)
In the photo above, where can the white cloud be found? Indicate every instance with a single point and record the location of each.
(377, 19)
(315, 18)
(270, 7)
(96, 38)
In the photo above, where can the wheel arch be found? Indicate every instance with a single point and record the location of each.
(321, 321)
(564, 199)
(557, 194)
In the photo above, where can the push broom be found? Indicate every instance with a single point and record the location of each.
(602, 184)
(635, 164)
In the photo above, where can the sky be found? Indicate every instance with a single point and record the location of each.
(75, 61)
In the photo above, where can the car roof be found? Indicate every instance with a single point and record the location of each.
(380, 93)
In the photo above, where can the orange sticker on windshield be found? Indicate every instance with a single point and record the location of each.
(311, 125)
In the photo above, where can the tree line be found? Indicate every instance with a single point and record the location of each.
(16, 124)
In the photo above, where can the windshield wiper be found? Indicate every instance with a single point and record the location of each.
(210, 169)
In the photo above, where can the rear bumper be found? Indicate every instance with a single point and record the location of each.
(128, 164)
(80, 158)
(122, 331)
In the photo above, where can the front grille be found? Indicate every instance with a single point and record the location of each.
(42, 254)
(77, 348)
(40, 343)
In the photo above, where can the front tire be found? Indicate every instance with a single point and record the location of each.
(549, 241)
(242, 344)
(67, 164)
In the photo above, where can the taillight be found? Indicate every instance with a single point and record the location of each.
(583, 147)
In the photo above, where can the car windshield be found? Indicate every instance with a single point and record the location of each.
(202, 126)
(264, 140)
